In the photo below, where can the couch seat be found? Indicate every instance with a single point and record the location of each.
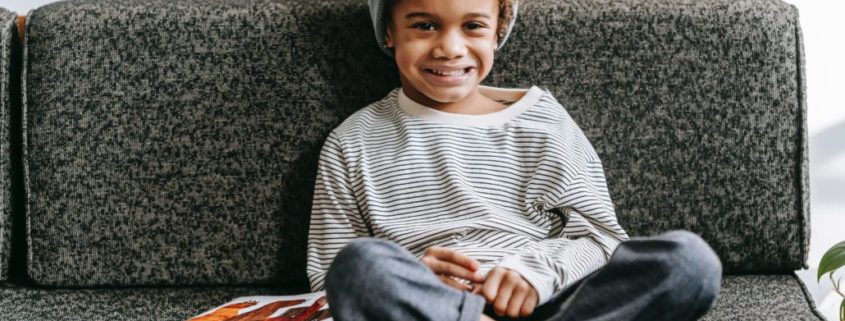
(743, 297)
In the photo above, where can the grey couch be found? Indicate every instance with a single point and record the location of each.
(158, 156)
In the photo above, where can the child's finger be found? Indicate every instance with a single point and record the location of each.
(476, 288)
(517, 301)
(450, 269)
(450, 255)
(503, 296)
(491, 285)
(454, 283)
(530, 303)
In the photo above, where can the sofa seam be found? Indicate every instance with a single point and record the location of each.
(808, 297)
(5, 258)
(802, 157)
(25, 145)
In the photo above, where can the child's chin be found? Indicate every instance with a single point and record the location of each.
(448, 95)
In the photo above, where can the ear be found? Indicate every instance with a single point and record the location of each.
(388, 41)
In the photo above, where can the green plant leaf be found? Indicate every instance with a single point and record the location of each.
(842, 311)
(833, 259)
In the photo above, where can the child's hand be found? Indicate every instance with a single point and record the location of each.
(447, 263)
(509, 293)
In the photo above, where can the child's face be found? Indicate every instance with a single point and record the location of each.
(443, 48)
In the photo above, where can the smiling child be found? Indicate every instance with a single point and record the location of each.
(451, 200)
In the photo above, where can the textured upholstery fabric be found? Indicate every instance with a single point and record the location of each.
(8, 39)
(743, 298)
(696, 109)
(763, 298)
(139, 303)
(175, 142)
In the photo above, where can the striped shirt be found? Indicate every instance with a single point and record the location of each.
(520, 188)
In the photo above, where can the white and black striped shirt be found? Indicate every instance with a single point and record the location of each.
(520, 188)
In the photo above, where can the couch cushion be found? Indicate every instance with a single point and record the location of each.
(8, 43)
(696, 109)
(142, 303)
(763, 298)
(175, 142)
(745, 297)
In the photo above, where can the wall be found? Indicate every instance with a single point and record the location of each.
(823, 26)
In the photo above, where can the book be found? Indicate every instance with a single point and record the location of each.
(303, 307)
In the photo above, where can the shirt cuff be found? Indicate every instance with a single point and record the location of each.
(534, 267)
(543, 282)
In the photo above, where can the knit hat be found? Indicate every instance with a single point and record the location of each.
(377, 14)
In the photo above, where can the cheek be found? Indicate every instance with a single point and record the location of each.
(404, 63)
(409, 55)
(486, 54)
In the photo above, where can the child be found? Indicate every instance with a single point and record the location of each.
(449, 200)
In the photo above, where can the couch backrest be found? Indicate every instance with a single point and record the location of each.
(697, 110)
(175, 142)
(9, 55)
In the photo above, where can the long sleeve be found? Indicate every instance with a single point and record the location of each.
(335, 217)
(588, 231)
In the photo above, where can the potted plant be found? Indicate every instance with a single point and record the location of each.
(833, 260)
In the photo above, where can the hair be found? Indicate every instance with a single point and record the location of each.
(505, 15)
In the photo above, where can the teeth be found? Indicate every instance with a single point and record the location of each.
(453, 73)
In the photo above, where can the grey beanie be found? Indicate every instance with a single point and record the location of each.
(377, 14)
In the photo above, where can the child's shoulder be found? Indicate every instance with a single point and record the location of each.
(545, 106)
(371, 115)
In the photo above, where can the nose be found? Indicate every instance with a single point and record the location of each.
(451, 45)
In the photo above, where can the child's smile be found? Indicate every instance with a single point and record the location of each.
(449, 75)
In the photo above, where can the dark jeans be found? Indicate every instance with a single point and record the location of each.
(674, 276)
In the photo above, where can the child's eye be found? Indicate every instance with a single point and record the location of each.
(423, 26)
(474, 26)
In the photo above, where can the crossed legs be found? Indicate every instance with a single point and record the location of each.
(673, 276)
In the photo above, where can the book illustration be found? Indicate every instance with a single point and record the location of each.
(307, 307)
(225, 312)
(311, 313)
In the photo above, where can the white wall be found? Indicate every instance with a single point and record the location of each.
(23, 6)
(823, 28)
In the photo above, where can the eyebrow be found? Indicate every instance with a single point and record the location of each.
(476, 15)
(428, 15)
(418, 14)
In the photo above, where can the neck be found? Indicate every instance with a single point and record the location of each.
(473, 104)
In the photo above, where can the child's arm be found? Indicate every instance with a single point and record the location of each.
(335, 217)
(590, 231)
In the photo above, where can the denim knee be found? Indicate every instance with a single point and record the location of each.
(373, 279)
(354, 260)
(695, 266)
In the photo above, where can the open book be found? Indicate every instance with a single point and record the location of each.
(303, 307)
